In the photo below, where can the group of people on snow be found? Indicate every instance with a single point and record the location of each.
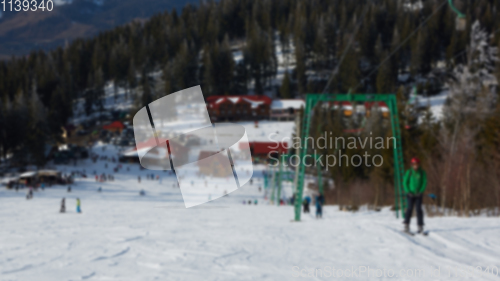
(319, 201)
(414, 185)
(63, 206)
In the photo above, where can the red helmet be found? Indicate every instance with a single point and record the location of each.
(415, 160)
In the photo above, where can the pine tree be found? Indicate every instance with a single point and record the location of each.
(470, 95)
(300, 70)
(3, 129)
(285, 91)
(240, 78)
(131, 77)
(147, 95)
(37, 136)
(349, 74)
(385, 77)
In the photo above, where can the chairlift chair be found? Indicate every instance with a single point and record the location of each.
(461, 21)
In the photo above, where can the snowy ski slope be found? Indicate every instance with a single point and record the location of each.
(123, 236)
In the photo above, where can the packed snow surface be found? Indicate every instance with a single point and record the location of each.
(121, 235)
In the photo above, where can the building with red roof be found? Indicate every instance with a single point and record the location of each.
(116, 126)
(234, 108)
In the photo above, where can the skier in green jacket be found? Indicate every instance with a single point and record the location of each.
(414, 183)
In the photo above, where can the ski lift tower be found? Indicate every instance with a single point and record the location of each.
(390, 99)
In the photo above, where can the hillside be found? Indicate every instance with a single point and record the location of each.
(21, 32)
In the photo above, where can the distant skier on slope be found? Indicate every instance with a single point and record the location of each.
(63, 206)
(319, 205)
(78, 205)
(306, 203)
(414, 183)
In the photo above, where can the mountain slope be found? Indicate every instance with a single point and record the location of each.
(20, 32)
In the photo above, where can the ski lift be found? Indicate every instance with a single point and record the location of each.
(461, 21)
(460, 24)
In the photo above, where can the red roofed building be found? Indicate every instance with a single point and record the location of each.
(231, 108)
(382, 107)
(114, 127)
(263, 149)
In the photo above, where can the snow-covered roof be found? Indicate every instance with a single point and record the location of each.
(27, 174)
(48, 173)
(254, 104)
(254, 101)
(285, 104)
(8, 179)
(343, 106)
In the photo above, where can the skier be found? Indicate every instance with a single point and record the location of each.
(29, 194)
(69, 188)
(63, 206)
(305, 203)
(139, 179)
(319, 206)
(78, 205)
(414, 183)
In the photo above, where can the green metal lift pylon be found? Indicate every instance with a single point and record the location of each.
(390, 101)
(282, 176)
(320, 175)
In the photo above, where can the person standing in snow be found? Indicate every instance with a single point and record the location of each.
(319, 206)
(63, 206)
(78, 205)
(305, 203)
(414, 183)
